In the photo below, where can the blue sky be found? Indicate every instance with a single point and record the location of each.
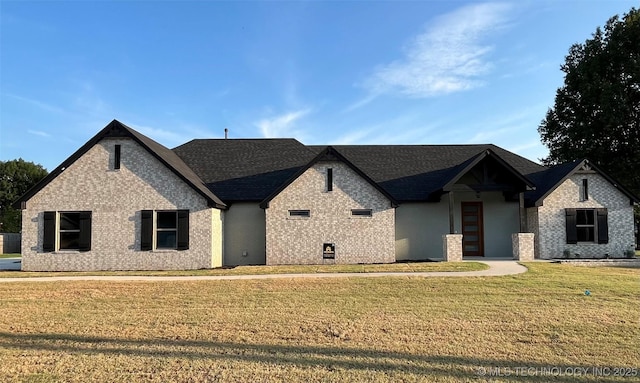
(419, 72)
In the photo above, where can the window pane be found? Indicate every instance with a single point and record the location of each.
(167, 240)
(470, 208)
(471, 238)
(470, 248)
(70, 240)
(585, 217)
(361, 212)
(470, 218)
(471, 228)
(69, 221)
(167, 220)
(299, 213)
(586, 234)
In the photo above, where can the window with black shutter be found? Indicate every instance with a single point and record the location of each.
(329, 179)
(68, 230)
(587, 225)
(164, 230)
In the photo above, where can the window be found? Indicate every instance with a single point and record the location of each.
(167, 230)
(67, 231)
(164, 230)
(116, 158)
(361, 212)
(584, 190)
(300, 213)
(329, 179)
(587, 225)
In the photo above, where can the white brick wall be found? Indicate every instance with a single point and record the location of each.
(116, 198)
(357, 239)
(551, 233)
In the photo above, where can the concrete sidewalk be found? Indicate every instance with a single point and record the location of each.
(496, 268)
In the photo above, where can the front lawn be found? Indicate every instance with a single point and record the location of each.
(389, 329)
(10, 255)
(292, 269)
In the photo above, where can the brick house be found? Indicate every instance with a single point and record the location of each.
(125, 202)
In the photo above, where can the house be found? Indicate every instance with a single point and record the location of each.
(125, 202)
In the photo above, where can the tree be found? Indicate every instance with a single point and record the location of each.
(16, 177)
(597, 111)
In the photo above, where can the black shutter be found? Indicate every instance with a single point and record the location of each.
(603, 226)
(84, 244)
(146, 230)
(49, 238)
(572, 232)
(183, 229)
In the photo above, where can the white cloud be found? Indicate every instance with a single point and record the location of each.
(166, 137)
(450, 56)
(282, 125)
(39, 104)
(38, 133)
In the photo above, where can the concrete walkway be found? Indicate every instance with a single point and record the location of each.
(496, 268)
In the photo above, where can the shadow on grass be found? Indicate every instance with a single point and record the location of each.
(307, 357)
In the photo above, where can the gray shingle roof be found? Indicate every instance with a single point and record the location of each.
(244, 169)
(251, 169)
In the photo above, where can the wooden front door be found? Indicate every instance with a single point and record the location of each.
(472, 230)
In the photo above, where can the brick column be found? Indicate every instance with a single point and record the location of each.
(452, 247)
(523, 246)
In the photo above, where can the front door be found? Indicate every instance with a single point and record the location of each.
(472, 230)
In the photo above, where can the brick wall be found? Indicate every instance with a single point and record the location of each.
(551, 236)
(533, 227)
(357, 239)
(116, 198)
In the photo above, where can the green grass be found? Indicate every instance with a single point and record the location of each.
(390, 329)
(258, 270)
(10, 255)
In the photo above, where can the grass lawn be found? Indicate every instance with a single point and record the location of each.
(396, 329)
(10, 255)
(293, 269)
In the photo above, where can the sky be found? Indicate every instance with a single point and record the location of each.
(323, 72)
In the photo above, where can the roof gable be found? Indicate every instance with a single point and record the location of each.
(485, 155)
(116, 129)
(329, 153)
(549, 179)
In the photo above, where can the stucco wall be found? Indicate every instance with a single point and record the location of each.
(244, 234)
(116, 198)
(419, 230)
(552, 225)
(357, 239)
(421, 225)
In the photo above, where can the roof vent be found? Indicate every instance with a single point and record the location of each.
(226, 133)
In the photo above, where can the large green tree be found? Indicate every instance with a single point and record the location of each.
(597, 111)
(16, 177)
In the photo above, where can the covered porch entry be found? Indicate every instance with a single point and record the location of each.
(485, 199)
